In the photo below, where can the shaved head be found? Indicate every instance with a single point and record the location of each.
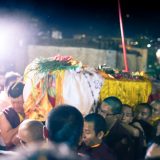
(30, 131)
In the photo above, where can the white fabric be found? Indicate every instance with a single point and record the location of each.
(77, 92)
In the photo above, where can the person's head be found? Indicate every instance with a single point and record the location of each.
(30, 131)
(143, 111)
(64, 125)
(94, 129)
(127, 114)
(15, 93)
(111, 108)
(155, 108)
(11, 77)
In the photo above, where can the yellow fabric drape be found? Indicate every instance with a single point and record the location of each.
(37, 104)
(59, 86)
(38, 111)
(130, 92)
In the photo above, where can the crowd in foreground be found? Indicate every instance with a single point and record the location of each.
(115, 131)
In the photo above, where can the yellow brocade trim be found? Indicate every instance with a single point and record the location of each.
(37, 104)
(153, 120)
(59, 85)
(130, 92)
(21, 118)
(39, 111)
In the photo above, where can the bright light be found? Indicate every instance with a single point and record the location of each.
(5, 39)
(148, 45)
(136, 43)
(11, 33)
(83, 36)
(158, 53)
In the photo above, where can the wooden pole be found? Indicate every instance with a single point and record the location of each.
(122, 37)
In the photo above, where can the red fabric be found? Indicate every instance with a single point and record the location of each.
(153, 97)
(52, 100)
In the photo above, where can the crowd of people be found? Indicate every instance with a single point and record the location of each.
(115, 131)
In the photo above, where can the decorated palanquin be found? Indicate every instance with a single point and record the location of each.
(59, 80)
(50, 82)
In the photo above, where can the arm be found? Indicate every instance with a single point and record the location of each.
(7, 132)
(131, 129)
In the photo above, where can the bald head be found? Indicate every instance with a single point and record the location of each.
(30, 131)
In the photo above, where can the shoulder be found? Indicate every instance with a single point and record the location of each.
(4, 123)
(138, 126)
(2, 117)
(4, 101)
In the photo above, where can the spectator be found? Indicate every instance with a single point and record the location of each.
(43, 151)
(93, 133)
(10, 77)
(155, 108)
(143, 113)
(127, 114)
(12, 116)
(136, 131)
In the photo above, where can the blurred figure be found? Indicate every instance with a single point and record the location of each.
(127, 114)
(93, 133)
(143, 111)
(12, 116)
(134, 128)
(10, 77)
(155, 95)
(136, 131)
(30, 131)
(156, 125)
(44, 151)
(153, 153)
(64, 125)
(155, 108)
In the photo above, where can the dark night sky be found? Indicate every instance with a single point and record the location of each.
(93, 17)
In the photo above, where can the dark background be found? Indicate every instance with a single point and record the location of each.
(93, 17)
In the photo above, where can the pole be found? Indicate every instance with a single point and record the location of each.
(122, 37)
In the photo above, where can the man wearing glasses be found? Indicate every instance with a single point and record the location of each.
(117, 137)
